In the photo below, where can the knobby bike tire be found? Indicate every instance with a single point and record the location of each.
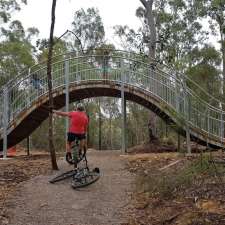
(62, 176)
(88, 179)
(80, 158)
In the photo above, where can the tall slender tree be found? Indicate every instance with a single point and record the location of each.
(150, 26)
(49, 75)
(87, 29)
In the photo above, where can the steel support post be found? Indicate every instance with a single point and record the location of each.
(188, 140)
(222, 127)
(177, 98)
(123, 107)
(5, 121)
(187, 111)
(207, 118)
(78, 78)
(29, 89)
(67, 100)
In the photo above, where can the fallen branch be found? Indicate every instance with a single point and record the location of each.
(171, 164)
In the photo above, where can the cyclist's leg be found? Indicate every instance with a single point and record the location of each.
(83, 142)
(70, 139)
(68, 146)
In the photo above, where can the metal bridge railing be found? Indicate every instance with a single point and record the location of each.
(117, 66)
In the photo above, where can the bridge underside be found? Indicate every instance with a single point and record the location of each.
(30, 119)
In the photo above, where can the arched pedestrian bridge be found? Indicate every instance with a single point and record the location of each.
(24, 100)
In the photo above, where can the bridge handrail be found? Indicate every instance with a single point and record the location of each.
(143, 75)
(177, 73)
(155, 71)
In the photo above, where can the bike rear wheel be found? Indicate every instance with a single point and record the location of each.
(87, 179)
(63, 176)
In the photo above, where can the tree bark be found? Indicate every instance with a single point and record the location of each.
(49, 77)
(152, 52)
(222, 39)
(152, 28)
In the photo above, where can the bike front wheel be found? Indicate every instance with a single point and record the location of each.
(63, 176)
(87, 179)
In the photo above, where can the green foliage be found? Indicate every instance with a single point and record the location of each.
(7, 7)
(16, 50)
(167, 184)
(88, 28)
(58, 49)
(137, 121)
(129, 39)
(204, 70)
(39, 138)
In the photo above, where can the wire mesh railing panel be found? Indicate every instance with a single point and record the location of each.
(122, 67)
(1, 108)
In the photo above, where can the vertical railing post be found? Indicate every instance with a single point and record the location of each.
(222, 126)
(5, 121)
(187, 108)
(207, 128)
(78, 77)
(177, 86)
(123, 107)
(67, 100)
(29, 89)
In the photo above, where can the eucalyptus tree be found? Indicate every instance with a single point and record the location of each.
(110, 107)
(169, 32)
(49, 77)
(149, 25)
(130, 40)
(17, 51)
(213, 11)
(88, 30)
(137, 129)
(7, 7)
(59, 48)
(204, 69)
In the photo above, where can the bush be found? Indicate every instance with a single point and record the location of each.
(166, 184)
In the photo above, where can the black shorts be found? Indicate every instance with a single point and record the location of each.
(72, 137)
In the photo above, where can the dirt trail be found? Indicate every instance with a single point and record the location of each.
(38, 202)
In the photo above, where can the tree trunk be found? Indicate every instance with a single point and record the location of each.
(49, 77)
(223, 60)
(152, 51)
(151, 24)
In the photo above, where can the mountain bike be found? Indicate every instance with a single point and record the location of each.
(81, 174)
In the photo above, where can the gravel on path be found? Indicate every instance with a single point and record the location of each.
(37, 202)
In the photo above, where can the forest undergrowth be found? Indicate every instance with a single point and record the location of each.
(173, 189)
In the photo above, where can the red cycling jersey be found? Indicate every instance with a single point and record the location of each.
(78, 122)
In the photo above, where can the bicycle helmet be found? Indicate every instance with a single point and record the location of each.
(80, 107)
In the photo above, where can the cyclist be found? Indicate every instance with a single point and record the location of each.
(77, 128)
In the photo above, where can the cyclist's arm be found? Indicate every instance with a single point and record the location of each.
(60, 113)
